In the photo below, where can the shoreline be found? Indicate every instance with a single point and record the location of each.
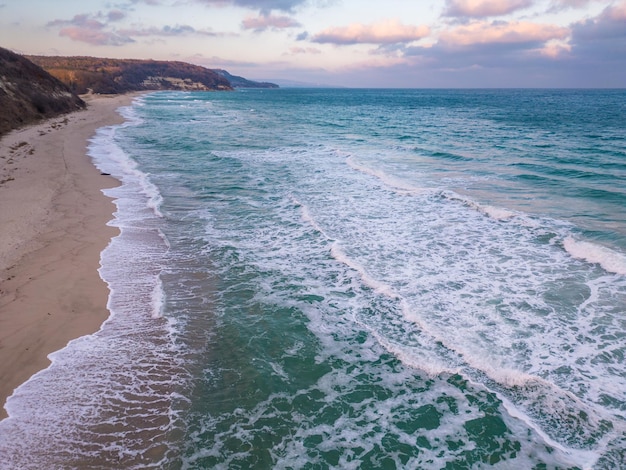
(54, 227)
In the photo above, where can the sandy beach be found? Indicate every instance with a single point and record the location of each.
(53, 229)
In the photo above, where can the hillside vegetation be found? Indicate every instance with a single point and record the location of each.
(98, 75)
(28, 93)
(240, 82)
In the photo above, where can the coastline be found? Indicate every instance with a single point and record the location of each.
(53, 230)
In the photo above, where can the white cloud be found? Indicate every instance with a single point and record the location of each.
(263, 22)
(484, 8)
(384, 32)
(517, 32)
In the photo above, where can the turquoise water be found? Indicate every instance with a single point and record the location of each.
(351, 279)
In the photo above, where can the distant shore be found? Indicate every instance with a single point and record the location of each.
(53, 230)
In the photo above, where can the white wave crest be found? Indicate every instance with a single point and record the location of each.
(610, 260)
(308, 218)
(158, 298)
(496, 213)
(392, 182)
(378, 286)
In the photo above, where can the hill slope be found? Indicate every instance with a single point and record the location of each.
(28, 93)
(99, 75)
(240, 82)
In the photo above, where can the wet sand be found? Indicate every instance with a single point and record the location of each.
(53, 227)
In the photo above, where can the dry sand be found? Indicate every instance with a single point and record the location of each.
(53, 219)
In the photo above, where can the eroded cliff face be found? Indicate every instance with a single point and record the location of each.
(28, 93)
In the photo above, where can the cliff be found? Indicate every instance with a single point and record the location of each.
(106, 76)
(28, 93)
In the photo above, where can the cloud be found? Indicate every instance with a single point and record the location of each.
(558, 5)
(384, 32)
(555, 49)
(497, 52)
(484, 8)
(609, 25)
(263, 22)
(82, 20)
(167, 31)
(94, 37)
(91, 30)
(303, 50)
(264, 6)
(86, 28)
(615, 13)
(603, 37)
(116, 15)
(512, 33)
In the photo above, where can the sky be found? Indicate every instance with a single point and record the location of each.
(347, 43)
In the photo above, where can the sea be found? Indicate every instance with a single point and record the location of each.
(350, 279)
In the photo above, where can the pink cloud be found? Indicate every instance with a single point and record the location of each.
(94, 36)
(86, 28)
(554, 51)
(384, 32)
(263, 22)
(615, 12)
(89, 29)
(482, 32)
(484, 8)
